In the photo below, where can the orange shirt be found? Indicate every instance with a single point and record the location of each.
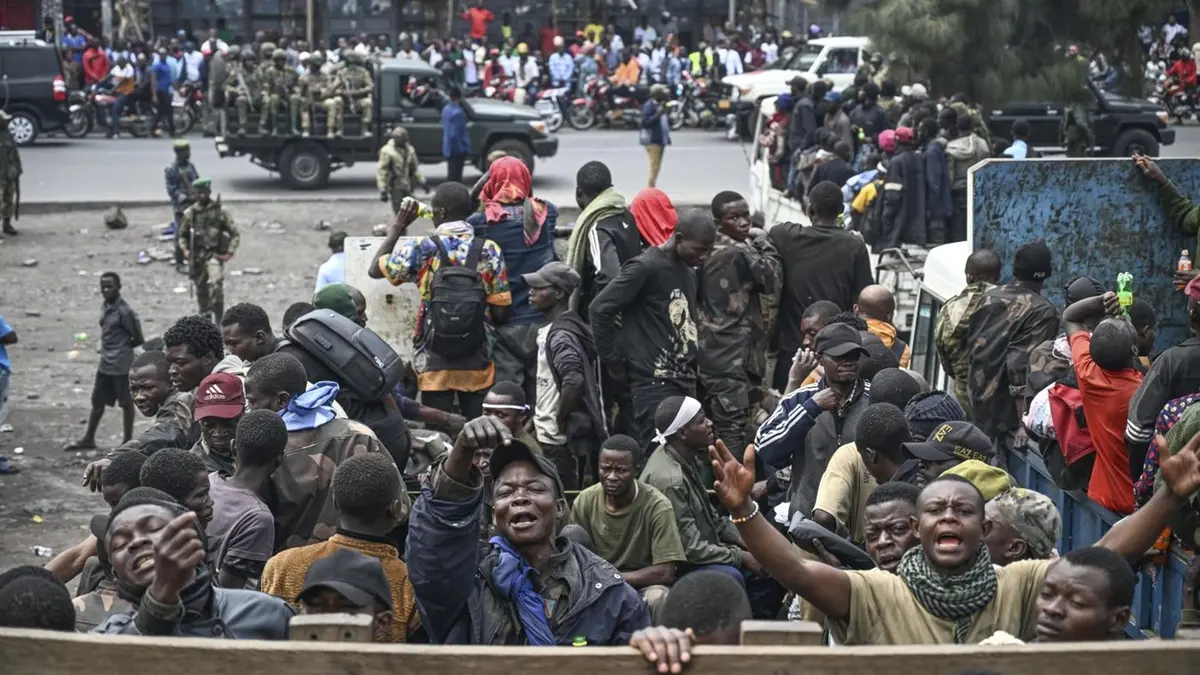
(1106, 395)
(627, 73)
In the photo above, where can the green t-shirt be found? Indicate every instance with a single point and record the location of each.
(636, 537)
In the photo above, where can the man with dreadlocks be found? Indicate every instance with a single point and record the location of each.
(946, 590)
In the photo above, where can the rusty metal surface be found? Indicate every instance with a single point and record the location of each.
(1099, 217)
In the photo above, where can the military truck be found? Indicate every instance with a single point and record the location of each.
(408, 93)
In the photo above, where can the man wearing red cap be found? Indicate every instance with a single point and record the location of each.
(904, 196)
(219, 404)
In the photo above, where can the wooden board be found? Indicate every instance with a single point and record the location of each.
(25, 652)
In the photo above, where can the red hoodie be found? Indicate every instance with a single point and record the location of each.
(1185, 71)
(95, 65)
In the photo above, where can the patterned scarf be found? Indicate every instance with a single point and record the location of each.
(955, 598)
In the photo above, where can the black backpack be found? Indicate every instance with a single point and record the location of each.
(454, 322)
(361, 360)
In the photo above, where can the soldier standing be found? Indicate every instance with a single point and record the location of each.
(739, 272)
(218, 70)
(209, 239)
(279, 95)
(180, 175)
(10, 176)
(244, 88)
(315, 87)
(398, 170)
(1076, 131)
(355, 83)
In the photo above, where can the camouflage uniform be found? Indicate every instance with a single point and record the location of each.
(91, 609)
(398, 172)
(303, 508)
(10, 176)
(266, 53)
(173, 427)
(179, 179)
(1010, 322)
(978, 126)
(732, 331)
(206, 232)
(1076, 132)
(244, 88)
(316, 87)
(950, 336)
(1047, 365)
(355, 78)
(280, 97)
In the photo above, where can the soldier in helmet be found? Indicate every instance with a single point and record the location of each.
(355, 84)
(209, 239)
(316, 87)
(280, 99)
(244, 88)
(398, 171)
(266, 53)
(219, 67)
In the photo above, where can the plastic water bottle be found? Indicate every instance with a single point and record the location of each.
(1125, 291)
(1184, 265)
(43, 551)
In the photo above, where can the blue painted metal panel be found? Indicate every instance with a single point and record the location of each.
(1158, 597)
(1099, 217)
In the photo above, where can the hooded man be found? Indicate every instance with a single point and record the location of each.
(965, 150)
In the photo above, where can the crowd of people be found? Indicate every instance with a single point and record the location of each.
(595, 403)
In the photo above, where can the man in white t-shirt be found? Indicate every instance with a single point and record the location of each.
(193, 62)
(123, 80)
(1172, 30)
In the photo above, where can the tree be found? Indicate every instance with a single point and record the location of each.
(1001, 50)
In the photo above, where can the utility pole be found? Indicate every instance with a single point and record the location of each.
(733, 12)
(106, 18)
(308, 27)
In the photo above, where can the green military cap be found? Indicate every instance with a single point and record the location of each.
(337, 239)
(278, 55)
(181, 144)
(336, 297)
(202, 184)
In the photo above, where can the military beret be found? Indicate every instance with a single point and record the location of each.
(202, 184)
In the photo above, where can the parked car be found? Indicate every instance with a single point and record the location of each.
(33, 89)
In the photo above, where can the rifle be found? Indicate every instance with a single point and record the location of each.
(191, 259)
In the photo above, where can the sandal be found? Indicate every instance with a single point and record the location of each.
(80, 445)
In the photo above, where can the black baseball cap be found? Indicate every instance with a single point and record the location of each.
(954, 440)
(356, 576)
(517, 451)
(838, 339)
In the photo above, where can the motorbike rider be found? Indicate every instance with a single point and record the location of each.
(528, 74)
(561, 65)
(493, 71)
(1183, 71)
(628, 75)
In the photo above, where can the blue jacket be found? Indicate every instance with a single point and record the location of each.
(654, 121)
(458, 601)
(519, 257)
(455, 139)
(937, 182)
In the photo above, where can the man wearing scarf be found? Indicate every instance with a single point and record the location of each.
(604, 236)
(530, 587)
(157, 552)
(523, 227)
(947, 590)
(652, 349)
(318, 441)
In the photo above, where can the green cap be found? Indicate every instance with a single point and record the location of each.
(336, 297)
(202, 184)
(337, 239)
(181, 144)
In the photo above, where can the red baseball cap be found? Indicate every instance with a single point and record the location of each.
(904, 135)
(219, 395)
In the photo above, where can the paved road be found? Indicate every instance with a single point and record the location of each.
(697, 166)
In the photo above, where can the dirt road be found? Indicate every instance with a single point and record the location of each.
(51, 300)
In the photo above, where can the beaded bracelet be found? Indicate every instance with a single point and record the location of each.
(753, 512)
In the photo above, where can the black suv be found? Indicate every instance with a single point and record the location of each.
(305, 163)
(32, 89)
(1120, 125)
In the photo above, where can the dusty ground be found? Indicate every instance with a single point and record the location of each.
(48, 303)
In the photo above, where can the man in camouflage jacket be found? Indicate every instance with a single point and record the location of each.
(209, 239)
(398, 174)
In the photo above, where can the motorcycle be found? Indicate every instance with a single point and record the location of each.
(1181, 103)
(501, 90)
(96, 111)
(550, 104)
(599, 104)
(80, 118)
(187, 103)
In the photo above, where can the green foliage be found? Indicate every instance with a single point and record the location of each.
(1003, 50)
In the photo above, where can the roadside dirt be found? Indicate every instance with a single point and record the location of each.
(49, 302)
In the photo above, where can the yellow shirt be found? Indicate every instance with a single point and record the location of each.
(864, 197)
(594, 32)
(284, 574)
(844, 489)
(884, 612)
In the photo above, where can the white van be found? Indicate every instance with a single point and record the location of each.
(943, 278)
(833, 58)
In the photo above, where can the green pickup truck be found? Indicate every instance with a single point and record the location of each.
(305, 163)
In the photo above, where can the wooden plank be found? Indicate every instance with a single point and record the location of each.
(781, 634)
(26, 652)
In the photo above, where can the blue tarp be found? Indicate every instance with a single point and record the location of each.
(1099, 217)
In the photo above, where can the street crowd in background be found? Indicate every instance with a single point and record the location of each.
(566, 420)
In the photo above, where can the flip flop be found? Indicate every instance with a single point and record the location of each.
(79, 445)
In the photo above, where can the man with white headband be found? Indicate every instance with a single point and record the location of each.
(709, 540)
